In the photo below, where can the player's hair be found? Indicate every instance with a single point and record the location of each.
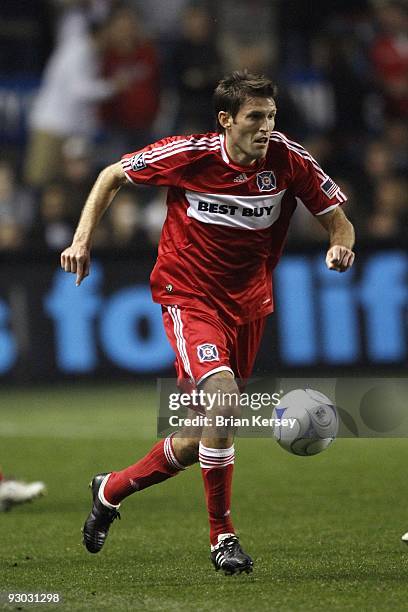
(235, 88)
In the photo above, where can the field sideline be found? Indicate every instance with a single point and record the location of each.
(324, 531)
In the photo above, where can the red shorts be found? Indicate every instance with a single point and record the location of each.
(204, 344)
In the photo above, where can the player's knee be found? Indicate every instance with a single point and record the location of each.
(222, 394)
(186, 449)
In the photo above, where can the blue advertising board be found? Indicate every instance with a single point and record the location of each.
(109, 326)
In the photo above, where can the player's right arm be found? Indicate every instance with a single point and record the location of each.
(77, 257)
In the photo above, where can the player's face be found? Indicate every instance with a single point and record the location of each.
(247, 135)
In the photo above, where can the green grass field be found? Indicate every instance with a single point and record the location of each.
(324, 531)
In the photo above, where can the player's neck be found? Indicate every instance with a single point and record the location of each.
(238, 156)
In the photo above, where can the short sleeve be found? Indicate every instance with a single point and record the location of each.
(162, 163)
(318, 192)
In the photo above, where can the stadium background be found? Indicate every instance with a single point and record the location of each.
(77, 366)
(341, 71)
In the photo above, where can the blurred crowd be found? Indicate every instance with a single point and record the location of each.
(114, 76)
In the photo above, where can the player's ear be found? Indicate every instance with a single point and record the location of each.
(224, 119)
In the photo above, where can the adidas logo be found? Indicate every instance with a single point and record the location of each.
(241, 178)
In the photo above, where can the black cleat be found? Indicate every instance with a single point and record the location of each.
(230, 558)
(96, 527)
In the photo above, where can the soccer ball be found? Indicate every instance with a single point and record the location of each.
(314, 422)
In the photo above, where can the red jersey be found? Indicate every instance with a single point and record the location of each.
(226, 224)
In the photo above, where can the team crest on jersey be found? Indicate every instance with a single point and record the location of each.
(138, 162)
(207, 352)
(266, 180)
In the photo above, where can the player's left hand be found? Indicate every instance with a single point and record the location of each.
(339, 258)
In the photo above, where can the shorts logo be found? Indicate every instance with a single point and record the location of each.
(207, 352)
(137, 162)
(266, 180)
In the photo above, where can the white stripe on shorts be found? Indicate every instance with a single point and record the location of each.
(181, 342)
(217, 369)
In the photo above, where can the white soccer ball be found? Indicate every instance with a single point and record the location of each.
(314, 422)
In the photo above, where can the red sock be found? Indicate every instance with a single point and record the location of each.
(217, 465)
(158, 465)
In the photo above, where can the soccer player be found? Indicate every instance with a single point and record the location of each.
(231, 195)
